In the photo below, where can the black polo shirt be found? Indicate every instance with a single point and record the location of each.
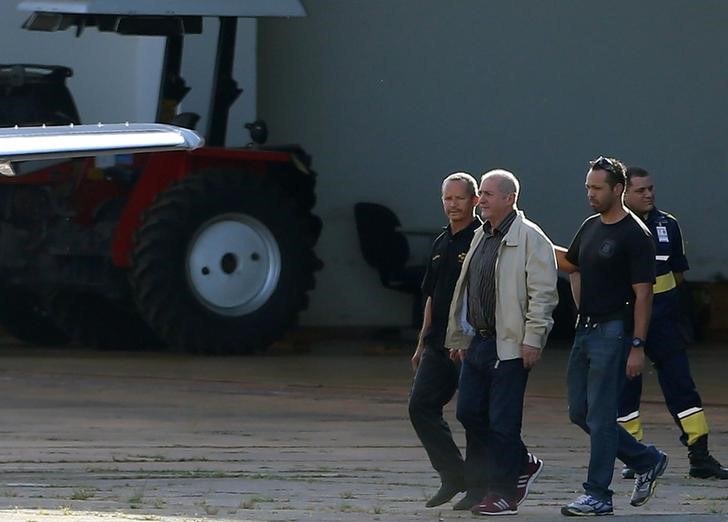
(443, 270)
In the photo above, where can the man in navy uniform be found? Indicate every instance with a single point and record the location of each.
(665, 345)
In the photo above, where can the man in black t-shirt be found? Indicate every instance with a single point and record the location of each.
(611, 260)
(436, 377)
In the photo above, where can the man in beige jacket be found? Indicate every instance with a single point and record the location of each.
(500, 317)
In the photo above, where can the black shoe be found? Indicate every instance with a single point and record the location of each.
(706, 468)
(628, 473)
(468, 502)
(444, 494)
(702, 463)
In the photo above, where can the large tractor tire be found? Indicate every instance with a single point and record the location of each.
(91, 320)
(223, 262)
(24, 316)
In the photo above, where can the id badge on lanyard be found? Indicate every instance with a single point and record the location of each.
(662, 234)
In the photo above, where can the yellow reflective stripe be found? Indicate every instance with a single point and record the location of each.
(633, 426)
(694, 425)
(664, 283)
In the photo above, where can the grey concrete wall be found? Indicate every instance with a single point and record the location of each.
(391, 95)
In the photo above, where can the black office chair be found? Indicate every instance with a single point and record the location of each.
(387, 249)
(565, 312)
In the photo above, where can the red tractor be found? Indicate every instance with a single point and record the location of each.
(210, 251)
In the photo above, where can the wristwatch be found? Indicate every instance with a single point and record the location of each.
(638, 343)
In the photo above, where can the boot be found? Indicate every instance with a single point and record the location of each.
(702, 463)
(628, 473)
(447, 491)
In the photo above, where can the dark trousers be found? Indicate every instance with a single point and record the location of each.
(666, 349)
(434, 386)
(490, 407)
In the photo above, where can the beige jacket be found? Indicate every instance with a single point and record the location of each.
(525, 291)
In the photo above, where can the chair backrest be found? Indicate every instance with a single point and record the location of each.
(382, 245)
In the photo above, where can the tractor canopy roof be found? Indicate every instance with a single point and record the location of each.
(145, 17)
(71, 141)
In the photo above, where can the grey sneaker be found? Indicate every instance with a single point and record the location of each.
(587, 505)
(645, 483)
(628, 473)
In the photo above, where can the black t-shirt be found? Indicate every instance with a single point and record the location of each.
(443, 270)
(611, 258)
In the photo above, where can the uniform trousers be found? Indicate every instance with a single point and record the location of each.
(665, 348)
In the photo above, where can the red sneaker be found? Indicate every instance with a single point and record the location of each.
(495, 505)
(533, 468)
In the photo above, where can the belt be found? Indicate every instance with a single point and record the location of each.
(485, 333)
(663, 283)
(592, 321)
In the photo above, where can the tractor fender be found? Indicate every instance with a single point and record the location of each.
(160, 170)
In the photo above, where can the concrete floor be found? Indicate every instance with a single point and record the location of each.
(320, 436)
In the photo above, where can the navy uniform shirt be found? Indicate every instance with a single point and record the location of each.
(446, 259)
(668, 242)
(669, 258)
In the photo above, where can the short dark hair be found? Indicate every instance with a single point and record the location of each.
(635, 172)
(614, 168)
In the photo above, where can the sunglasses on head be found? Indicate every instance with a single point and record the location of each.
(602, 163)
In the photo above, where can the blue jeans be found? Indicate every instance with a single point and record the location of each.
(595, 378)
(490, 408)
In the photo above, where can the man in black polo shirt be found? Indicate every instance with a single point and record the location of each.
(436, 377)
(611, 260)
